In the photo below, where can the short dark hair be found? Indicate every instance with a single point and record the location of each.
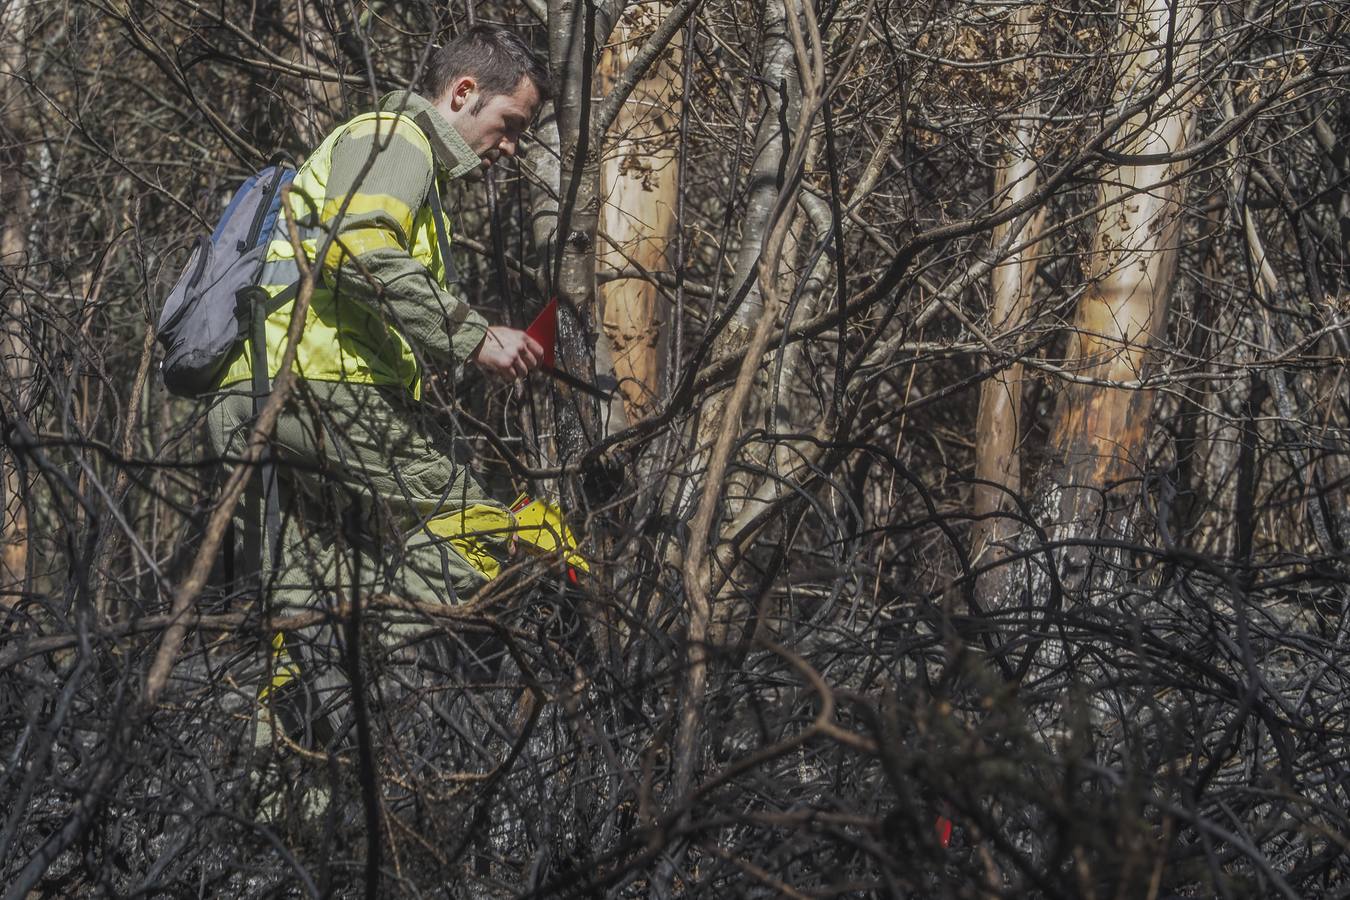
(496, 56)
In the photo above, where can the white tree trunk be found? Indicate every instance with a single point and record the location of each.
(1100, 433)
(998, 427)
(771, 141)
(638, 179)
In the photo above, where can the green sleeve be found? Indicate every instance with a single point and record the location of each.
(382, 178)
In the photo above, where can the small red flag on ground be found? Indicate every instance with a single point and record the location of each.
(944, 831)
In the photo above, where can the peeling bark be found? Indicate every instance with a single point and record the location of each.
(1099, 433)
(637, 216)
(577, 31)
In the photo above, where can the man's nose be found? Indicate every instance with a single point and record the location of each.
(508, 146)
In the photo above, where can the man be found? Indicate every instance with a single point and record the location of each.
(355, 444)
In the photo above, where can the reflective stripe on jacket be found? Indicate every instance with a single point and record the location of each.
(381, 300)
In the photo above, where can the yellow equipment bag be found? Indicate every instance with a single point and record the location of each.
(540, 525)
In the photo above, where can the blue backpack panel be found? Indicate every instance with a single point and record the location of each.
(207, 313)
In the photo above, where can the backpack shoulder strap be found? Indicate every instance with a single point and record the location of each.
(442, 238)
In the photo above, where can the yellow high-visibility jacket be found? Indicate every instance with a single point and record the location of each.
(381, 302)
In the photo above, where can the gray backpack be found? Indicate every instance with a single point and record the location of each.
(211, 307)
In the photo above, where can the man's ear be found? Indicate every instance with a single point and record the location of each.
(461, 91)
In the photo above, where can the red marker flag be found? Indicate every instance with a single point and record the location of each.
(944, 831)
(544, 329)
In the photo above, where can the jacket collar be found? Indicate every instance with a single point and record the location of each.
(446, 143)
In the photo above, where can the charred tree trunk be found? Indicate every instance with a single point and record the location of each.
(16, 354)
(576, 31)
(1191, 489)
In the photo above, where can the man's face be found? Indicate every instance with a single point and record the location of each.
(495, 129)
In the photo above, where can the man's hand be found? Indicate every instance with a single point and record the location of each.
(508, 353)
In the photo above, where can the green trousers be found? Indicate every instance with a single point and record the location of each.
(364, 476)
(368, 486)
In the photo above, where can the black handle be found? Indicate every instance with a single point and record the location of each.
(567, 378)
